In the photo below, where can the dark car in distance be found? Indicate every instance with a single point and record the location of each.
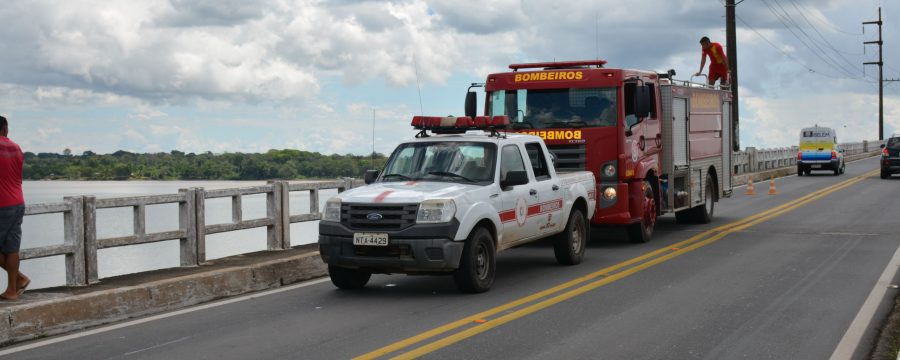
(890, 156)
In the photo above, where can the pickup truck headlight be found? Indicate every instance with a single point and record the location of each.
(332, 210)
(436, 211)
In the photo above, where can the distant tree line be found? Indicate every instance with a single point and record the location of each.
(177, 165)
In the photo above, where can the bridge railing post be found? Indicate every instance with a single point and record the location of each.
(274, 211)
(200, 223)
(751, 159)
(187, 220)
(73, 225)
(285, 188)
(90, 239)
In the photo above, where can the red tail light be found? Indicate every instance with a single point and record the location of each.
(799, 155)
(885, 153)
(833, 155)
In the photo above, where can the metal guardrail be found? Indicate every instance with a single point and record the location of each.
(81, 244)
(752, 160)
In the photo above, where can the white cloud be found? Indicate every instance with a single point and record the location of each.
(146, 112)
(306, 73)
(46, 133)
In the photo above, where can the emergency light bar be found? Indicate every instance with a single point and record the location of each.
(458, 125)
(559, 65)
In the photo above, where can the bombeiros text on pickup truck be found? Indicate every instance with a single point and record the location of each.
(448, 202)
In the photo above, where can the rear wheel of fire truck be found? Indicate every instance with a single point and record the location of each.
(349, 279)
(799, 171)
(703, 214)
(570, 244)
(478, 264)
(643, 231)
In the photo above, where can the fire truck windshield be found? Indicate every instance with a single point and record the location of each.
(555, 108)
(449, 161)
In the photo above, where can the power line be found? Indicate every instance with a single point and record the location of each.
(817, 16)
(786, 54)
(827, 43)
(786, 20)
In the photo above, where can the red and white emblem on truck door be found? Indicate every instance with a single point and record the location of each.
(521, 212)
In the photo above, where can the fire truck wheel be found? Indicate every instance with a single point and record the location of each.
(799, 171)
(643, 231)
(703, 214)
(348, 279)
(684, 216)
(570, 244)
(478, 264)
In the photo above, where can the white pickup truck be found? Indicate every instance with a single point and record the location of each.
(448, 202)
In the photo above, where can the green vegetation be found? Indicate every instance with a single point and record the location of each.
(176, 165)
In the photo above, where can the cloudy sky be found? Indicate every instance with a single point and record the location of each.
(248, 76)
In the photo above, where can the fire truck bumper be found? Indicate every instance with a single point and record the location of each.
(613, 211)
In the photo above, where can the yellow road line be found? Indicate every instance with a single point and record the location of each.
(684, 246)
(431, 347)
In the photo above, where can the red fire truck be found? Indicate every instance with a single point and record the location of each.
(655, 144)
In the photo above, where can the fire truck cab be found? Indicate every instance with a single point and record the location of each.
(655, 145)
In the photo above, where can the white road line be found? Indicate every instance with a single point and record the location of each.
(857, 329)
(156, 346)
(104, 329)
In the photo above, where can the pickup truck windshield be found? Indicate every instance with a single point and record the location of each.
(471, 162)
(555, 108)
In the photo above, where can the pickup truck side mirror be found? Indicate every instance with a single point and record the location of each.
(513, 178)
(882, 146)
(371, 175)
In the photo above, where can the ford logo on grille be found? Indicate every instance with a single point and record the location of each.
(374, 217)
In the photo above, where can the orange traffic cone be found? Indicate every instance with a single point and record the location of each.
(772, 190)
(750, 187)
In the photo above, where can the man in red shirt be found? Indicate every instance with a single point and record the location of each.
(718, 62)
(12, 210)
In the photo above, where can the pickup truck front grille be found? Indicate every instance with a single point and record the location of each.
(378, 216)
(568, 157)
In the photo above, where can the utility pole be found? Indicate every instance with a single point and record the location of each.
(881, 80)
(373, 139)
(731, 44)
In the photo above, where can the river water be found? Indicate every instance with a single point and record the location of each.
(43, 230)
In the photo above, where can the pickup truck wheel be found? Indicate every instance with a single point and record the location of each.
(569, 246)
(643, 231)
(348, 279)
(478, 264)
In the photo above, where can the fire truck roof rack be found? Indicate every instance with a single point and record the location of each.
(559, 65)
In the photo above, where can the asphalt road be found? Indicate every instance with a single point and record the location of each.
(773, 277)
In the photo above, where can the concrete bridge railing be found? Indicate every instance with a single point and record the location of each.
(754, 160)
(81, 243)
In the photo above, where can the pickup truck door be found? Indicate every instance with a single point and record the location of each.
(546, 217)
(515, 199)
